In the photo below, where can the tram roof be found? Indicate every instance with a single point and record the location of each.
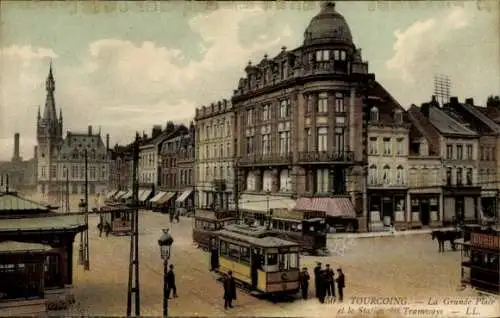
(211, 215)
(266, 242)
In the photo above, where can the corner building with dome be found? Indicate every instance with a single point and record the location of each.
(300, 129)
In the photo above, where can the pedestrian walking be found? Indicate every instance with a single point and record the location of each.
(99, 227)
(340, 283)
(171, 215)
(229, 290)
(171, 282)
(107, 229)
(177, 216)
(304, 282)
(317, 273)
(330, 281)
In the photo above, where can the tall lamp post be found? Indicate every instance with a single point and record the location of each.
(165, 242)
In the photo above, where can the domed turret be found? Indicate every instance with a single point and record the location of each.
(328, 26)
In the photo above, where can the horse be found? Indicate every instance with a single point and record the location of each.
(443, 236)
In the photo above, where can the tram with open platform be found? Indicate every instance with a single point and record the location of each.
(260, 261)
(206, 223)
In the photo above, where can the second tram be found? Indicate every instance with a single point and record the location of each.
(260, 261)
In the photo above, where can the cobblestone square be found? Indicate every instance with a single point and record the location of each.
(404, 266)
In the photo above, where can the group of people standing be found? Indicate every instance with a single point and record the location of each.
(324, 282)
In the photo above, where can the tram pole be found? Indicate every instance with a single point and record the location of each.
(133, 274)
(87, 254)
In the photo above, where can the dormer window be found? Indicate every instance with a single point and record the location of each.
(374, 115)
(398, 117)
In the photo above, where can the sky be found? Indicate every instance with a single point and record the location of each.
(125, 67)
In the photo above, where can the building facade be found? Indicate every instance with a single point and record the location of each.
(149, 168)
(177, 162)
(215, 158)
(426, 174)
(299, 121)
(388, 138)
(61, 161)
(459, 146)
(489, 133)
(121, 167)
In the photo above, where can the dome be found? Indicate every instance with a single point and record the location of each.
(328, 26)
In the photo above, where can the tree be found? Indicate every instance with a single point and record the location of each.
(493, 101)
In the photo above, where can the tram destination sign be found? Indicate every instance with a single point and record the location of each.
(287, 214)
(485, 240)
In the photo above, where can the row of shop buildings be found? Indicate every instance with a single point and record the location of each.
(314, 122)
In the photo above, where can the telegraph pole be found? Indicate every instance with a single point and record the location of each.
(67, 190)
(86, 240)
(133, 273)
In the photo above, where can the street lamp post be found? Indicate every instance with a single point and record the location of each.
(165, 242)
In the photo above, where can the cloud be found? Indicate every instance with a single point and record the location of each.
(125, 86)
(418, 49)
(461, 43)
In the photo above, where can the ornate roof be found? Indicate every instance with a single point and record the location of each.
(75, 144)
(328, 26)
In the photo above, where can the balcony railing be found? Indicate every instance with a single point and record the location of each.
(327, 67)
(275, 158)
(335, 156)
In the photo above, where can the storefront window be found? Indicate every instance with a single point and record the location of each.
(434, 208)
(415, 205)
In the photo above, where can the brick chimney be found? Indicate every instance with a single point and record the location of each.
(16, 156)
(469, 101)
(453, 100)
(90, 130)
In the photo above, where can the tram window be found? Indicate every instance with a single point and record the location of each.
(223, 248)
(211, 226)
(234, 251)
(272, 259)
(245, 255)
(287, 226)
(282, 264)
(275, 224)
(293, 260)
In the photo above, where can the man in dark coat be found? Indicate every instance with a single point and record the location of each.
(171, 282)
(317, 273)
(304, 282)
(330, 283)
(340, 283)
(229, 290)
(322, 286)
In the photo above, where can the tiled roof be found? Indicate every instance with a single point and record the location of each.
(387, 105)
(16, 247)
(423, 127)
(79, 142)
(448, 125)
(10, 202)
(60, 222)
(483, 116)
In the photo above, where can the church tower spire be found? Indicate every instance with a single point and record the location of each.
(49, 113)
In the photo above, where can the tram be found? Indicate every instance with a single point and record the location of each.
(480, 259)
(118, 220)
(260, 261)
(207, 222)
(306, 228)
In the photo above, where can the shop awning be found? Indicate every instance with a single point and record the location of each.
(144, 195)
(119, 194)
(166, 197)
(184, 195)
(127, 195)
(157, 197)
(111, 193)
(334, 207)
(260, 203)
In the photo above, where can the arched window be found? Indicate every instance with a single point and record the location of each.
(398, 116)
(250, 181)
(386, 175)
(267, 180)
(374, 114)
(373, 174)
(285, 181)
(400, 175)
